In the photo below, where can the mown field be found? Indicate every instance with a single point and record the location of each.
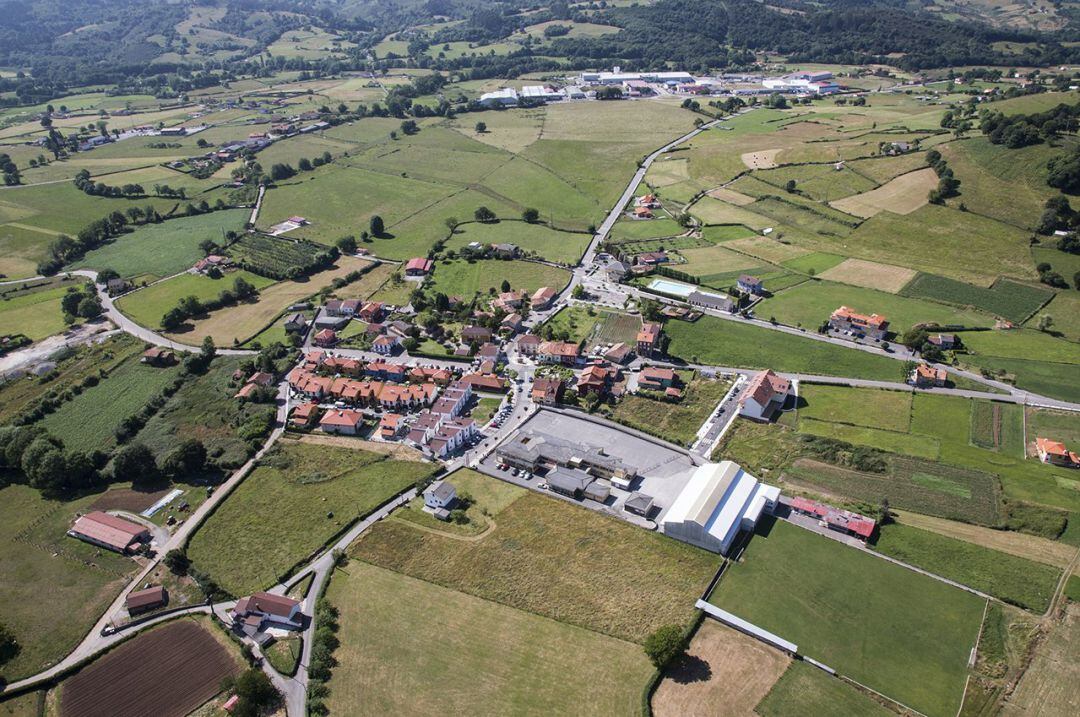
(146, 307)
(600, 574)
(1010, 578)
(804, 689)
(164, 249)
(473, 656)
(35, 312)
(907, 635)
(538, 239)
(89, 421)
(886, 410)
(466, 279)
(721, 342)
(38, 559)
(298, 498)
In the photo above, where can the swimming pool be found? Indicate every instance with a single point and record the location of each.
(674, 288)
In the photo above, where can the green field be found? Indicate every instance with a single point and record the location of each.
(1012, 579)
(537, 239)
(35, 312)
(675, 421)
(814, 263)
(810, 303)
(1004, 298)
(413, 647)
(886, 410)
(204, 408)
(721, 342)
(147, 306)
(580, 323)
(894, 441)
(299, 497)
(89, 420)
(39, 560)
(557, 560)
(466, 279)
(898, 632)
(163, 249)
(806, 690)
(487, 499)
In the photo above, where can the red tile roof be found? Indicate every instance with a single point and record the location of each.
(109, 530)
(766, 386)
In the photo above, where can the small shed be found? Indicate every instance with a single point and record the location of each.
(639, 504)
(598, 490)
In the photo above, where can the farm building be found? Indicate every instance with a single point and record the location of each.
(109, 531)
(261, 610)
(505, 97)
(141, 601)
(157, 356)
(843, 521)
(765, 395)
(718, 501)
(419, 266)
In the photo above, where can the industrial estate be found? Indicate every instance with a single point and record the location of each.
(674, 358)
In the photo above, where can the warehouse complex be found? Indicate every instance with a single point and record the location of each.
(719, 501)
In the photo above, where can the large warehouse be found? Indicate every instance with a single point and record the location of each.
(719, 500)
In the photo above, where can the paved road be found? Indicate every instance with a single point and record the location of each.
(140, 332)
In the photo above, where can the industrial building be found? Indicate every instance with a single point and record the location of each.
(719, 501)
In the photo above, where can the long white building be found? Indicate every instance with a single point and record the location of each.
(719, 501)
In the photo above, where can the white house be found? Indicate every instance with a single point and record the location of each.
(262, 610)
(719, 501)
(766, 393)
(440, 495)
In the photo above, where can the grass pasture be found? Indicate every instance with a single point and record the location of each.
(36, 311)
(39, 559)
(466, 279)
(930, 626)
(323, 489)
(21, 248)
(163, 249)
(721, 342)
(483, 658)
(885, 410)
(1008, 299)
(89, 420)
(557, 246)
(805, 690)
(1013, 579)
(602, 574)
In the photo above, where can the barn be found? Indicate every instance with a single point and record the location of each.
(718, 501)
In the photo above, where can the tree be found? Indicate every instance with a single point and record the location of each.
(789, 187)
(1045, 322)
(531, 215)
(243, 289)
(664, 645)
(346, 244)
(9, 646)
(187, 458)
(578, 292)
(90, 307)
(69, 302)
(481, 127)
(409, 127)
(483, 214)
(177, 561)
(305, 164)
(255, 692)
(376, 226)
(135, 462)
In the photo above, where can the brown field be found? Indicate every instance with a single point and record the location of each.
(1021, 545)
(761, 159)
(768, 249)
(166, 672)
(243, 321)
(870, 274)
(730, 196)
(368, 284)
(727, 673)
(399, 451)
(129, 499)
(1045, 687)
(902, 195)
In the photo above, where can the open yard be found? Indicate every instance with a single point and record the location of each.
(721, 342)
(413, 647)
(89, 420)
(556, 560)
(168, 671)
(38, 559)
(298, 498)
(726, 672)
(676, 421)
(901, 633)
